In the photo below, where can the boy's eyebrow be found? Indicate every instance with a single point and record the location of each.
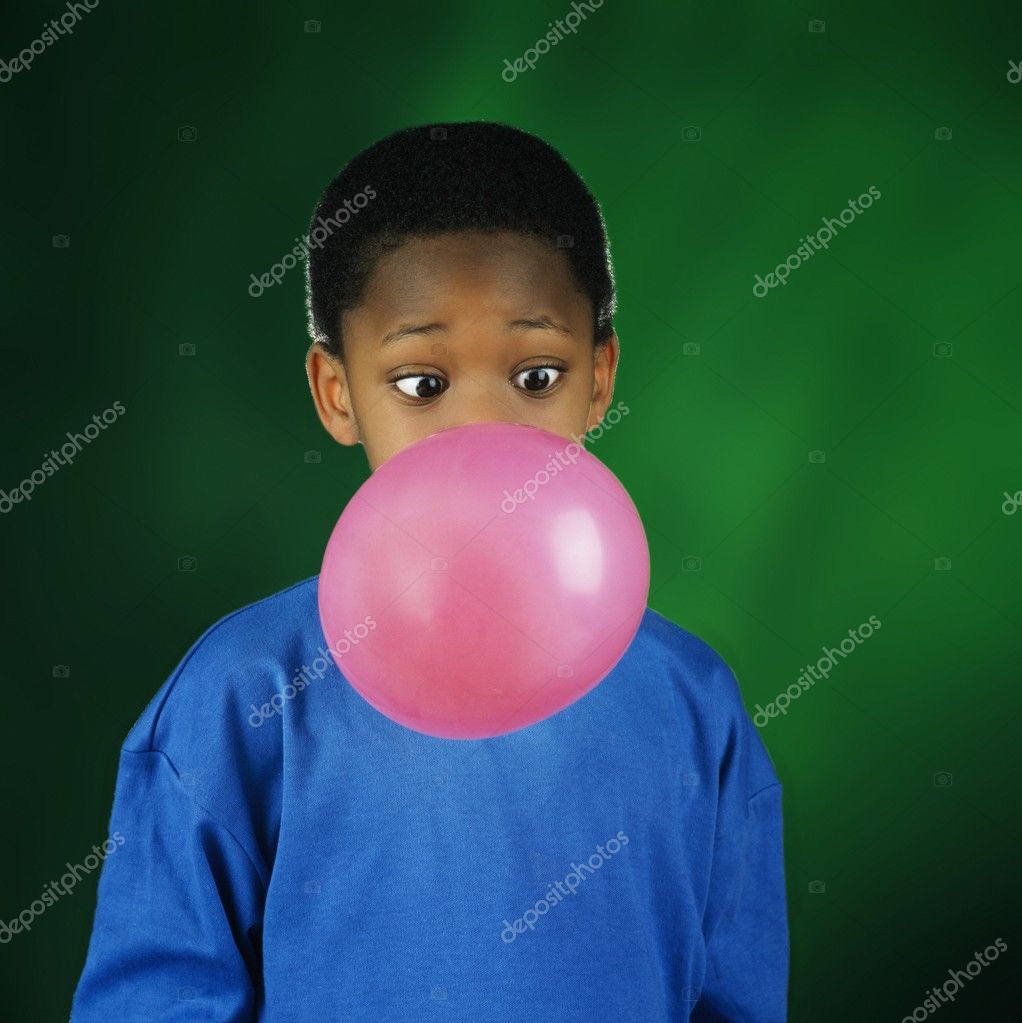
(406, 330)
(411, 330)
(539, 323)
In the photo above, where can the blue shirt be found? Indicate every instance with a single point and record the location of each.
(290, 855)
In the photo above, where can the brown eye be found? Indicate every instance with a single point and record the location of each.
(421, 386)
(538, 378)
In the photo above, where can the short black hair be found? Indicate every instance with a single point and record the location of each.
(437, 178)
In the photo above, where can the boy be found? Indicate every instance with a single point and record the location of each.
(621, 860)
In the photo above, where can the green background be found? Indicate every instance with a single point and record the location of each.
(208, 461)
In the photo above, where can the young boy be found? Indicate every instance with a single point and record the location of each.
(293, 856)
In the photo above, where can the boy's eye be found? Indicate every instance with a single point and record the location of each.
(538, 378)
(421, 386)
(427, 386)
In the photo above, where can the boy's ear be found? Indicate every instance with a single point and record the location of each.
(328, 383)
(604, 371)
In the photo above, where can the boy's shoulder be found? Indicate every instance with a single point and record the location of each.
(197, 727)
(700, 687)
(238, 660)
(695, 669)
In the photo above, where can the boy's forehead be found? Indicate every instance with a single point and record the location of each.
(442, 267)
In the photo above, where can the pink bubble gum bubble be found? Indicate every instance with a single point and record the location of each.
(483, 579)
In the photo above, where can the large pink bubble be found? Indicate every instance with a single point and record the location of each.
(483, 579)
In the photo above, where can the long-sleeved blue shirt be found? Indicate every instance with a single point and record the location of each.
(291, 855)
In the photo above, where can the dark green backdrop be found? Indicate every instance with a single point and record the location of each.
(715, 138)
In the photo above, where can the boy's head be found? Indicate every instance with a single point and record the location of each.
(458, 273)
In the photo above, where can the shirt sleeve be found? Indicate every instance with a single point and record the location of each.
(745, 926)
(177, 928)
